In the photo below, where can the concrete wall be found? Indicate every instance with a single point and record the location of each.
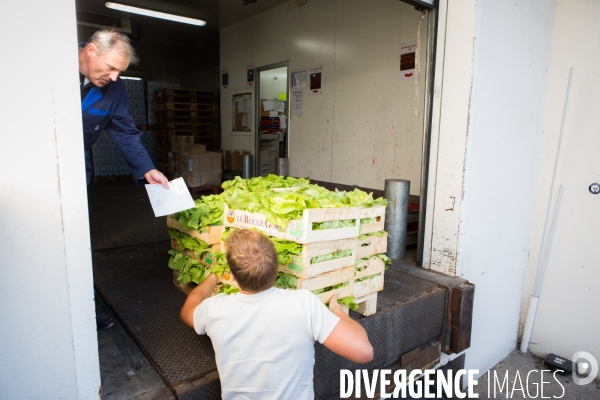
(48, 343)
(510, 60)
(567, 318)
(362, 128)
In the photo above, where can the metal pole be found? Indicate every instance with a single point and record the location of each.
(247, 166)
(397, 192)
(283, 166)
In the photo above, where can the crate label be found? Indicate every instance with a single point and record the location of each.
(295, 267)
(244, 219)
(208, 258)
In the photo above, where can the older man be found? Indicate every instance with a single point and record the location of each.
(105, 106)
(104, 103)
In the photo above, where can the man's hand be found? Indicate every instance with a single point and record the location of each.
(155, 176)
(334, 306)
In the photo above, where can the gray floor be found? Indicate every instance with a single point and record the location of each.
(524, 363)
(120, 216)
(124, 371)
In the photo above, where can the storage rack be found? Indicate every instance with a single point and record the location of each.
(185, 112)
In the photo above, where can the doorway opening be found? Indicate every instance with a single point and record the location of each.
(272, 128)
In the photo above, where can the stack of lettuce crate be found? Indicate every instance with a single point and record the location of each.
(346, 257)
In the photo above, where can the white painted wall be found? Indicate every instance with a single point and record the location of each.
(362, 128)
(48, 343)
(567, 318)
(510, 58)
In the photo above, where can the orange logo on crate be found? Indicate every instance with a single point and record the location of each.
(230, 217)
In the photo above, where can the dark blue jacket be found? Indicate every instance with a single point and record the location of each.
(108, 108)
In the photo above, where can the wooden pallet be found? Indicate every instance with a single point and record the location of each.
(377, 212)
(165, 95)
(211, 236)
(302, 268)
(181, 132)
(299, 231)
(375, 265)
(186, 120)
(371, 246)
(166, 113)
(186, 106)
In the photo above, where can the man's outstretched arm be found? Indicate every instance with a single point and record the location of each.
(197, 296)
(348, 339)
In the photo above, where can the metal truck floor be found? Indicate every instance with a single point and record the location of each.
(137, 284)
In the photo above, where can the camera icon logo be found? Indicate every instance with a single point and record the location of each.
(586, 368)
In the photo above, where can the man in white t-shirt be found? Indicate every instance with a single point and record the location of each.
(263, 336)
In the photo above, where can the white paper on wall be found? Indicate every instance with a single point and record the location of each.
(297, 103)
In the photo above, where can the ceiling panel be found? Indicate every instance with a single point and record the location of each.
(168, 49)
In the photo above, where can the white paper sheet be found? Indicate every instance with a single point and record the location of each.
(297, 103)
(273, 114)
(282, 122)
(168, 201)
(267, 105)
(279, 106)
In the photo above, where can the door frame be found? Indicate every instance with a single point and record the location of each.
(257, 117)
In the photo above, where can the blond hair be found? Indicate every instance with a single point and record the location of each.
(252, 259)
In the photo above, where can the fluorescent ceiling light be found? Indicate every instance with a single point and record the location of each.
(131, 78)
(155, 14)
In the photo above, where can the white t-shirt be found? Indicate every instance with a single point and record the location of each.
(264, 343)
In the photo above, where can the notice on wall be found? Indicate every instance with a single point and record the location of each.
(169, 201)
(250, 75)
(315, 79)
(298, 79)
(407, 60)
(279, 106)
(225, 77)
(268, 105)
(297, 103)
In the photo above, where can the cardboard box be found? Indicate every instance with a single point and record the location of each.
(233, 159)
(204, 162)
(210, 178)
(179, 142)
(194, 149)
(174, 164)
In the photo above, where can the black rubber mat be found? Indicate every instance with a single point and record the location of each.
(136, 282)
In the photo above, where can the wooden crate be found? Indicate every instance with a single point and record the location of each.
(373, 212)
(371, 246)
(363, 288)
(302, 268)
(318, 282)
(300, 230)
(329, 279)
(211, 236)
(366, 305)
